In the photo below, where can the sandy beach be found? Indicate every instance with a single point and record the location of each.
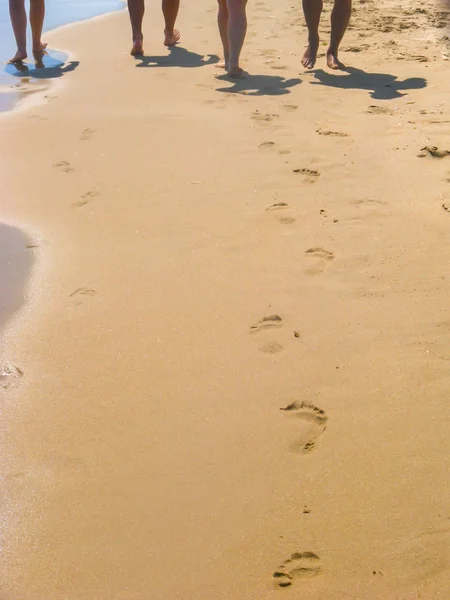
(225, 351)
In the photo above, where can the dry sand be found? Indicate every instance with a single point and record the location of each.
(206, 253)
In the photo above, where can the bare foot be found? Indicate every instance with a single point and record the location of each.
(40, 49)
(171, 38)
(18, 57)
(138, 48)
(223, 64)
(39, 59)
(310, 56)
(333, 62)
(235, 71)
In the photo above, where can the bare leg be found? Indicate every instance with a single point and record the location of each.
(136, 9)
(37, 14)
(170, 12)
(312, 10)
(19, 25)
(237, 29)
(222, 22)
(340, 18)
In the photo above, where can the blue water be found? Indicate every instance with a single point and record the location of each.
(58, 12)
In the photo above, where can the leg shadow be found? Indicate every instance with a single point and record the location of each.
(45, 66)
(258, 85)
(177, 57)
(381, 86)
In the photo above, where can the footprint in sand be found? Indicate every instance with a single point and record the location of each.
(436, 121)
(290, 107)
(221, 104)
(301, 565)
(271, 348)
(50, 98)
(311, 175)
(64, 166)
(86, 198)
(277, 206)
(263, 117)
(312, 422)
(418, 57)
(267, 52)
(266, 323)
(8, 375)
(356, 49)
(87, 134)
(433, 151)
(82, 291)
(446, 207)
(270, 322)
(379, 110)
(267, 144)
(368, 202)
(322, 258)
(331, 133)
(38, 118)
(280, 208)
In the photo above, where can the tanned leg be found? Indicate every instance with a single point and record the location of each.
(312, 10)
(340, 18)
(37, 14)
(222, 22)
(237, 29)
(170, 11)
(136, 9)
(19, 25)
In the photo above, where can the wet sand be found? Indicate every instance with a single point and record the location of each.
(22, 83)
(16, 259)
(8, 100)
(216, 252)
(19, 82)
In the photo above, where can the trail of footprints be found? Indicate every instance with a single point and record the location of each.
(310, 423)
(307, 420)
(311, 420)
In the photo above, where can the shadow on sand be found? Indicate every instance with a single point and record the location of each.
(16, 261)
(177, 57)
(258, 85)
(381, 86)
(45, 66)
